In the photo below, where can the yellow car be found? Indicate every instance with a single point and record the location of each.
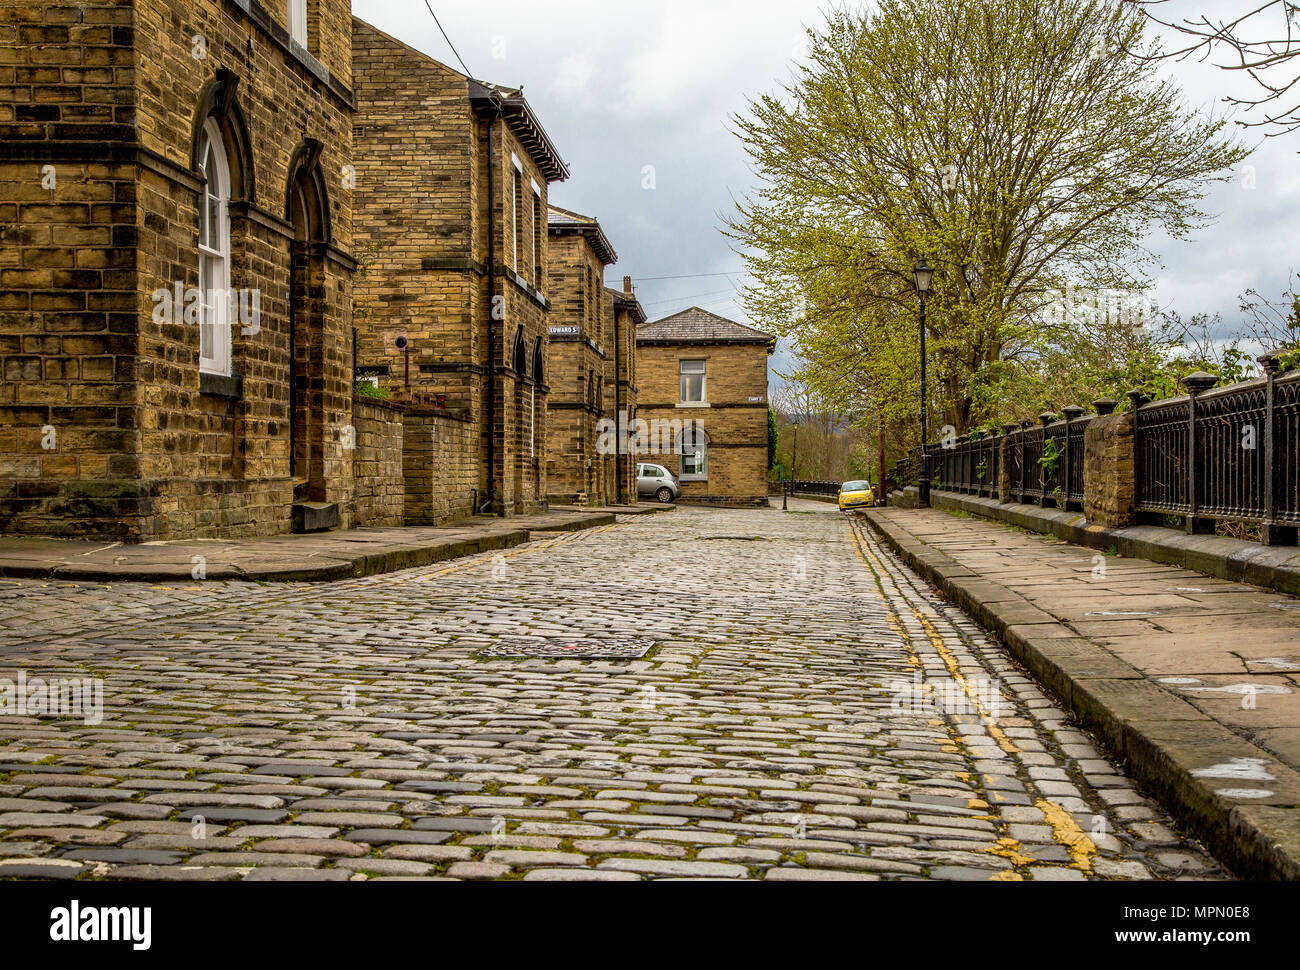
(856, 495)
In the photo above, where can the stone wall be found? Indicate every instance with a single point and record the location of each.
(106, 97)
(734, 419)
(440, 467)
(1108, 471)
(580, 374)
(377, 464)
(425, 158)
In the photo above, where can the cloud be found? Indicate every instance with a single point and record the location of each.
(654, 82)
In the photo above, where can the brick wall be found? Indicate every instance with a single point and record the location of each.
(581, 373)
(1109, 483)
(422, 206)
(107, 95)
(735, 425)
(440, 468)
(377, 463)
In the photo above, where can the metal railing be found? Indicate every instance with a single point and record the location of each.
(1044, 462)
(1227, 454)
(824, 489)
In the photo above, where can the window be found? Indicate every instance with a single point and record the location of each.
(298, 21)
(532, 420)
(516, 207)
(539, 227)
(214, 254)
(693, 447)
(692, 380)
(586, 302)
(520, 360)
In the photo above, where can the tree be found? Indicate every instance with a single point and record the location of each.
(772, 438)
(1262, 42)
(1015, 143)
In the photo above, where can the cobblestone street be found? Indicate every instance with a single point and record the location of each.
(355, 730)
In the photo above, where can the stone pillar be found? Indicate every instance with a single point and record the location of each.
(1109, 482)
(1006, 449)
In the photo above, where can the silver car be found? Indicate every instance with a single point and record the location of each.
(658, 481)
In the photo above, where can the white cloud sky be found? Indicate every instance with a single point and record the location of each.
(621, 86)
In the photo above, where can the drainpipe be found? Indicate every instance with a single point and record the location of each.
(492, 292)
(618, 412)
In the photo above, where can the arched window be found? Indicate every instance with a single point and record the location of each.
(538, 363)
(214, 253)
(521, 354)
(693, 447)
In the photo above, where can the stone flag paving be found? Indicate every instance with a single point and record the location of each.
(809, 710)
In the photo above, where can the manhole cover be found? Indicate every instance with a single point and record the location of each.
(589, 648)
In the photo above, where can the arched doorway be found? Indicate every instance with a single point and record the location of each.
(307, 209)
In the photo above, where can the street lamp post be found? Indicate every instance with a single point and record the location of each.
(924, 275)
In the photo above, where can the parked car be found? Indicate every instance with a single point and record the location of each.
(657, 481)
(856, 495)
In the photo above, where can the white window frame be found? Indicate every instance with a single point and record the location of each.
(297, 21)
(702, 373)
(214, 254)
(516, 184)
(702, 475)
(539, 211)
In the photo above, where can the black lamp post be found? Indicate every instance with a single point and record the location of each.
(924, 275)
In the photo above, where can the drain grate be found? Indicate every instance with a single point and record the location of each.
(586, 648)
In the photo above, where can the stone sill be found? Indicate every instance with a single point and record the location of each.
(1236, 560)
(219, 385)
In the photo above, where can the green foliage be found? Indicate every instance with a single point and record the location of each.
(368, 390)
(772, 438)
(1016, 144)
(1051, 456)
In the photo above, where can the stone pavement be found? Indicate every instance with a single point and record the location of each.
(809, 711)
(319, 557)
(1192, 680)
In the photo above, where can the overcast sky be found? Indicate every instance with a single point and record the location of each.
(623, 87)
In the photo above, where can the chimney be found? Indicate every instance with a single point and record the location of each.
(627, 285)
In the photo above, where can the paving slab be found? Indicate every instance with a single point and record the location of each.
(1186, 677)
(317, 558)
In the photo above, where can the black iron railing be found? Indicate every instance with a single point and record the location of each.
(1224, 454)
(1228, 454)
(826, 489)
(1044, 462)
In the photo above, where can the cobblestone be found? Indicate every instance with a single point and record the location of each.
(779, 730)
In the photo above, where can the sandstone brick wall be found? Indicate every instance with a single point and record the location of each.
(440, 468)
(377, 463)
(422, 230)
(625, 393)
(581, 374)
(735, 425)
(107, 94)
(1109, 485)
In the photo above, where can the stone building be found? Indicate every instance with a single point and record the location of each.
(628, 315)
(703, 396)
(175, 274)
(452, 178)
(593, 351)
